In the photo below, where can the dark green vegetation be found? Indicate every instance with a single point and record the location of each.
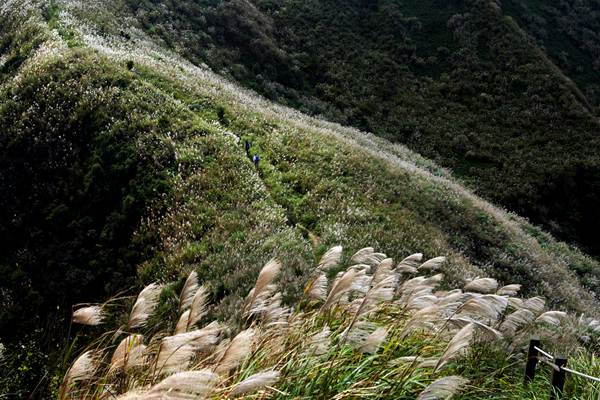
(458, 81)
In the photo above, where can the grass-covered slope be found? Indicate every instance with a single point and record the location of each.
(121, 159)
(460, 82)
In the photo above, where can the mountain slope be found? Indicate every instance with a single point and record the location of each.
(120, 157)
(460, 82)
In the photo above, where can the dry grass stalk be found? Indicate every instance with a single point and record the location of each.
(373, 341)
(509, 290)
(552, 317)
(185, 385)
(410, 264)
(516, 321)
(82, 369)
(199, 307)
(340, 287)
(317, 289)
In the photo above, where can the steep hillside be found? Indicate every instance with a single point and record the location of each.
(460, 82)
(123, 163)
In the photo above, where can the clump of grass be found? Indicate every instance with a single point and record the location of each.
(377, 332)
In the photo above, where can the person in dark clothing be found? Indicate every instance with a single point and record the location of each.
(255, 160)
(247, 146)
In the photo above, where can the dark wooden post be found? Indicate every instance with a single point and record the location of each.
(558, 378)
(532, 359)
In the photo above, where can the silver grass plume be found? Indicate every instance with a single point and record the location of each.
(509, 290)
(487, 307)
(182, 323)
(330, 259)
(409, 264)
(199, 306)
(176, 352)
(432, 264)
(443, 388)
(384, 269)
(484, 333)
(128, 354)
(320, 342)
(535, 305)
(255, 382)
(516, 321)
(144, 305)
(317, 290)
(92, 315)
(419, 362)
(83, 368)
(189, 290)
(482, 285)
(238, 349)
(184, 385)
(360, 255)
(340, 287)
(265, 278)
(552, 317)
(457, 346)
(373, 341)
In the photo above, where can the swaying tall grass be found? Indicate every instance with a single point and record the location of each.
(374, 331)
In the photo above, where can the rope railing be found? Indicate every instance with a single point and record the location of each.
(558, 363)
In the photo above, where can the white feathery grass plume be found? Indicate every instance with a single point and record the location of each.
(535, 305)
(199, 306)
(484, 332)
(373, 341)
(271, 310)
(340, 287)
(384, 269)
(320, 342)
(515, 302)
(443, 388)
(185, 385)
(362, 254)
(238, 349)
(359, 267)
(357, 334)
(188, 291)
(128, 354)
(432, 264)
(317, 289)
(409, 264)
(487, 307)
(82, 369)
(144, 305)
(176, 352)
(265, 278)
(482, 285)
(255, 382)
(457, 346)
(182, 323)
(552, 317)
(92, 315)
(330, 259)
(361, 282)
(425, 318)
(383, 291)
(509, 290)
(420, 302)
(516, 321)
(453, 296)
(419, 362)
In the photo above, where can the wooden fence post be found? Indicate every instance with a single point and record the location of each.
(558, 378)
(532, 359)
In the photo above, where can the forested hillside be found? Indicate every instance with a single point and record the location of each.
(503, 93)
(123, 163)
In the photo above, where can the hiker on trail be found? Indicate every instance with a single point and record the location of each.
(255, 160)
(247, 146)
